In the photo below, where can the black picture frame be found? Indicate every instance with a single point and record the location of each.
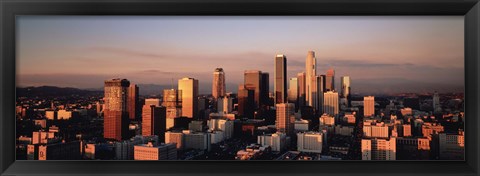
(470, 9)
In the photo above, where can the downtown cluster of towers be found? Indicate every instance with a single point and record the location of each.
(307, 90)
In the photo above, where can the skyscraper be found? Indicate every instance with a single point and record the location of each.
(330, 80)
(154, 121)
(293, 91)
(218, 84)
(264, 89)
(280, 81)
(301, 89)
(330, 103)
(132, 101)
(189, 89)
(116, 115)
(245, 102)
(172, 100)
(310, 73)
(345, 81)
(319, 85)
(285, 118)
(368, 106)
(253, 81)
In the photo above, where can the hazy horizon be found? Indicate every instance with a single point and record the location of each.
(380, 54)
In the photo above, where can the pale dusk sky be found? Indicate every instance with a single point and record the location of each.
(386, 54)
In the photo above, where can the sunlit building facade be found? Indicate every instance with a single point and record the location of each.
(310, 73)
(189, 90)
(330, 80)
(218, 84)
(368, 106)
(155, 152)
(175, 137)
(172, 101)
(153, 101)
(154, 121)
(379, 149)
(132, 102)
(116, 111)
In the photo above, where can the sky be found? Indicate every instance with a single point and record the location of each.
(389, 54)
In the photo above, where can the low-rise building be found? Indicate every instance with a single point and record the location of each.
(379, 149)
(278, 141)
(150, 151)
(310, 142)
(175, 137)
(196, 140)
(452, 146)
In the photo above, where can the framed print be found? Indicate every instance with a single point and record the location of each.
(253, 87)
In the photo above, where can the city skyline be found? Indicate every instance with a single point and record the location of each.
(414, 55)
(314, 112)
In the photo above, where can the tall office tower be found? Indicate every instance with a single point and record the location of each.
(301, 89)
(172, 100)
(310, 73)
(285, 118)
(189, 89)
(116, 115)
(154, 121)
(245, 102)
(280, 81)
(345, 81)
(132, 101)
(264, 89)
(368, 106)
(253, 81)
(330, 80)
(318, 87)
(293, 91)
(330, 103)
(436, 102)
(218, 84)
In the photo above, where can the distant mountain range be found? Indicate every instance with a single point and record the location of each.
(366, 86)
(47, 91)
(156, 89)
